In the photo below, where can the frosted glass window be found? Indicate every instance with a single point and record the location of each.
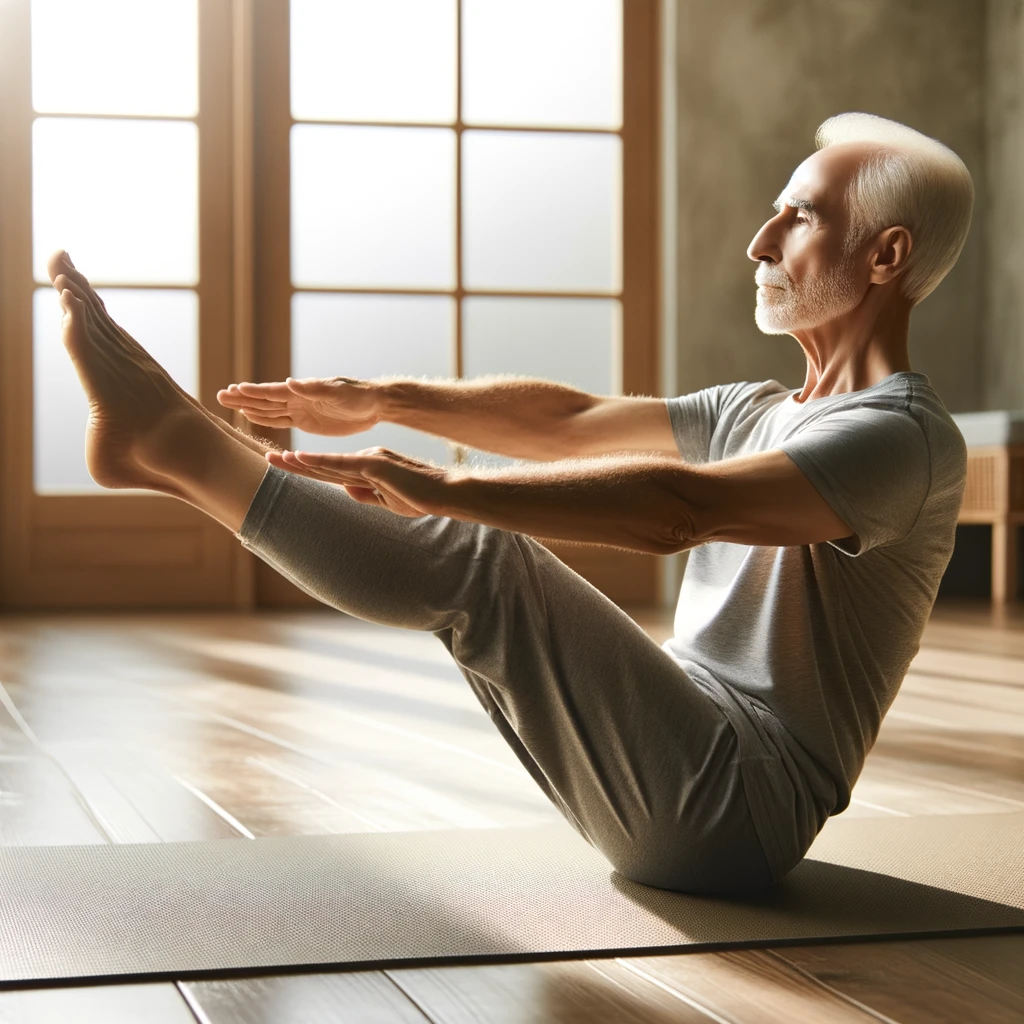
(120, 196)
(373, 207)
(542, 62)
(373, 60)
(166, 323)
(542, 211)
(366, 336)
(115, 57)
(573, 341)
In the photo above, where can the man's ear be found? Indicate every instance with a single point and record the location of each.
(892, 250)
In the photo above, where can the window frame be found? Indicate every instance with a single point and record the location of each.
(170, 554)
(114, 550)
(626, 577)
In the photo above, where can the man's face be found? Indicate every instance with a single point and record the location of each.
(806, 276)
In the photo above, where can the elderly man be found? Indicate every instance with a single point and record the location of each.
(820, 522)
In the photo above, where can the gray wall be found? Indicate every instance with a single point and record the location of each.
(754, 79)
(1003, 314)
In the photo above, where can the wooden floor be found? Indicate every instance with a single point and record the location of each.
(176, 727)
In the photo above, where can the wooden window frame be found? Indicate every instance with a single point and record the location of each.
(114, 550)
(627, 577)
(52, 547)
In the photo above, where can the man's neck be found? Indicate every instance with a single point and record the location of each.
(855, 353)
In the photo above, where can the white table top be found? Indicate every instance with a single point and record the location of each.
(991, 428)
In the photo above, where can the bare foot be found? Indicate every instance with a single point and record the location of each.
(141, 424)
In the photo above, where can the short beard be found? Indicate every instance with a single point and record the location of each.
(808, 305)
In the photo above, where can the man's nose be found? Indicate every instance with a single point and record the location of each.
(763, 246)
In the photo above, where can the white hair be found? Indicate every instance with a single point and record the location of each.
(914, 181)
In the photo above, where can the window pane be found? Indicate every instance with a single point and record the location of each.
(574, 341)
(166, 322)
(367, 336)
(542, 62)
(120, 196)
(373, 207)
(542, 211)
(115, 57)
(373, 60)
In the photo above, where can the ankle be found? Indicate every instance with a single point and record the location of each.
(177, 448)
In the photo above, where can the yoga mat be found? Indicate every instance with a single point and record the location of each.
(391, 899)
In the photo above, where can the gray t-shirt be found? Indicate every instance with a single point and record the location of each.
(806, 647)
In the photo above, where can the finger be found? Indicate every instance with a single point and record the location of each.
(309, 386)
(394, 457)
(320, 463)
(266, 419)
(364, 495)
(335, 469)
(318, 458)
(232, 401)
(328, 463)
(272, 389)
(262, 404)
(346, 464)
(284, 460)
(236, 400)
(279, 460)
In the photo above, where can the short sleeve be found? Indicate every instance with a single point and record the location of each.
(873, 468)
(695, 416)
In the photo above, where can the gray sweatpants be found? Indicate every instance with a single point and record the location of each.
(629, 748)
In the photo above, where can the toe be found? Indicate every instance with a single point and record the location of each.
(69, 300)
(82, 282)
(85, 295)
(58, 263)
(72, 320)
(59, 266)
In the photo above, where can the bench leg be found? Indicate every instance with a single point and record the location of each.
(1004, 562)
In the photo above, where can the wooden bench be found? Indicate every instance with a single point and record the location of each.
(995, 490)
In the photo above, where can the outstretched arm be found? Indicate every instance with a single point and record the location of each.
(639, 502)
(516, 416)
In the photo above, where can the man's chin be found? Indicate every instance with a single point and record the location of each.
(768, 324)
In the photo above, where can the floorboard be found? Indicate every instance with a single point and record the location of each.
(154, 728)
(932, 981)
(97, 1004)
(752, 985)
(567, 992)
(41, 805)
(361, 997)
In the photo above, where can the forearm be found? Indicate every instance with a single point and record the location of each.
(521, 418)
(641, 503)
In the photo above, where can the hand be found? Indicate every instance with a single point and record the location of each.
(334, 406)
(376, 476)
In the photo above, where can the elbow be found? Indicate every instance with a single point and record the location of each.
(679, 534)
(690, 520)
